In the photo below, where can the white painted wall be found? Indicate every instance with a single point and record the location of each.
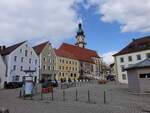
(2, 72)
(126, 63)
(9, 59)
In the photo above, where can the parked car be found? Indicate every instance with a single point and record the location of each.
(110, 77)
(12, 85)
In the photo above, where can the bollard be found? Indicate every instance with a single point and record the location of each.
(88, 96)
(52, 95)
(32, 95)
(76, 95)
(20, 94)
(24, 94)
(104, 97)
(41, 95)
(63, 95)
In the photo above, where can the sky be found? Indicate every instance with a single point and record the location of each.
(109, 25)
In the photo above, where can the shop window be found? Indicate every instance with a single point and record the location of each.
(146, 75)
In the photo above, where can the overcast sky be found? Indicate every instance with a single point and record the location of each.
(109, 25)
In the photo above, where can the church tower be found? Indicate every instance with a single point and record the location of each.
(80, 37)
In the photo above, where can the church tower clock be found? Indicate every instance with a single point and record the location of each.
(80, 37)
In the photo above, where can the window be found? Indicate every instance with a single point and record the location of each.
(31, 52)
(62, 67)
(14, 67)
(76, 69)
(15, 58)
(49, 67)
(21, 68)
(148, 55)
(26, 52)
(124, 76)
(35, 68)
(62, 61)
(44, 67)
(66, 68)
(63, 74)
(22, 59)
(30, 60)
(44, 59)
(15, 78)
(121, 59)
(71, 74)
(20, 50)
(29, 68)
(69, 62)
(66, 62)
(70, 68)
(146, 75)
(73, 68)
(138, 57)
(35, 61)
(122, 68)
(53, 67)
(129, 58)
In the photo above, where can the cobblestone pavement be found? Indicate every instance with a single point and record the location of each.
(118, 100)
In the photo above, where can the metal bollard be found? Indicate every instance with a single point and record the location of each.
(41, 95)
(104, 97)
(52, 95)
(20, 94)
(88, 96)
(76, 95)
(63, 95)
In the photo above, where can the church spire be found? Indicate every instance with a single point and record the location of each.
(80, 37)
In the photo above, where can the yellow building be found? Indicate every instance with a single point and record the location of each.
(67, 66)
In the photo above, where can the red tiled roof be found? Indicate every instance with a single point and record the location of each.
(10, 49)
(79, 53)
(38, 49)
(135, 46)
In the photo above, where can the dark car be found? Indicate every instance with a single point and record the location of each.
(12, 85)
(110, 77)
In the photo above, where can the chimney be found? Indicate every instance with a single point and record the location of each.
(2, 48)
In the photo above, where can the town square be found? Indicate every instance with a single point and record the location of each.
(74, 56)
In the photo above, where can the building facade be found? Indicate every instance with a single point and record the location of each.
(47, 59)
(2, 72)
(136, 51)
(20, 58)
(67, 66)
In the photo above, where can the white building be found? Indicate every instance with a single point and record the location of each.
(2, 72)
(137, 51)
(19, 58)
